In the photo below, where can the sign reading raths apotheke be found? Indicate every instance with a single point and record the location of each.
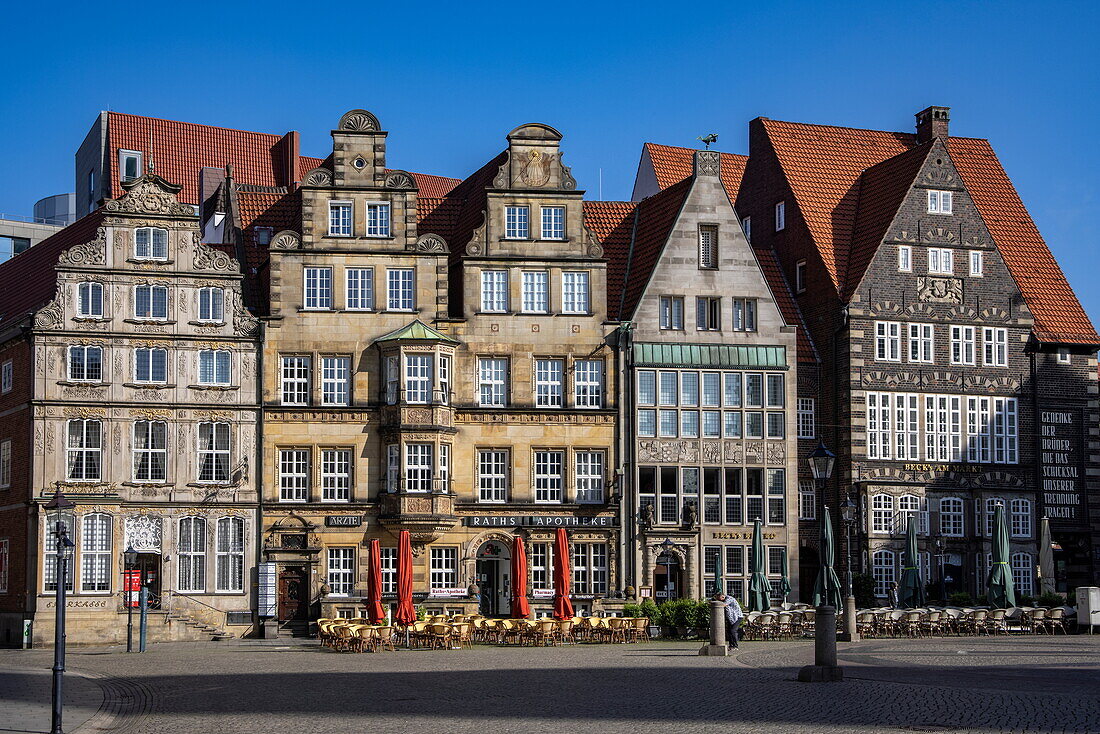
(1061, 468)
(540, 521)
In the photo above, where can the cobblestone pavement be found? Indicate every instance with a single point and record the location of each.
(25, 698)
(1016, 684)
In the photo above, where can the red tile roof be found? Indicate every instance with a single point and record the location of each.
(824, 165)
(672, 164)
(612, 222)
(29, 280)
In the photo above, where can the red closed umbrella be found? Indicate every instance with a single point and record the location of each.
(520, 608)
(406, 612)
(375, 612)
(563, 608)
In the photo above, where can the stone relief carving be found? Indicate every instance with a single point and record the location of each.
(940, 290)
(117, 439)
(318, 177)
(431, 243)
(83, 392)
(150, 194)
(777, 454)
(536, 169)
(477, 240)
(708, 162)
(88, 253)
(669, 451)
(286, 240)
(243, 322)
(207, 258)
(754, 452)
(734, 452)
(51, 436)
(712, 452)
(400, 180)
(359, 121)
(939, 234)
(143, 533)
(51, 316)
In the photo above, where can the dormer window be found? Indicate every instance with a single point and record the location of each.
(939, 202)
(129, 165)
(516, 222)
(553, 222)
(151, 243)
(708, 247)
(339, 219)
(378, 220)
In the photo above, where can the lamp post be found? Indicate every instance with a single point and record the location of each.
(825, 666)
(848, 514)
(129, 558)
(940, 564)
(63, 548)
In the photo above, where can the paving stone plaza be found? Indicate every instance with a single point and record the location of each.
(1014, 684)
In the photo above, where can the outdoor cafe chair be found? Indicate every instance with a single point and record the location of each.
(365, 637)
(1055, 619)
(384, 637)
(784, 628)
(640, 630)
(343, 637)
(930, 623)
(439, 635)
(996, 622)
(865, 624)
(617, 627)
(461, 633)
(1035, 620)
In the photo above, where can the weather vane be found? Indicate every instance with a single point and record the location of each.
(708, 139)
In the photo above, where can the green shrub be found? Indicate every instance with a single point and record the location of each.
(680, 612)
(1023, 600)
(701, 614)
(651, 610)
(632, 610)
(960, 599)
(1050, 599)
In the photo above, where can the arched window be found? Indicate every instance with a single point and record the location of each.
(951, 517)
(1022, 576)
(90, 300)
(150, 451)
(911, 504)
(95, 553)
(49, 552)
(191, 554)
(230, 554)
(882, 513)
(884, 570)
(1020, 525)
(984, 520)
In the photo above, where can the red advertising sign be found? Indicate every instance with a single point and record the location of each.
(131, 587)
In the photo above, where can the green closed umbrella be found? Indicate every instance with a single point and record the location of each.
(785, 581)
(911, 589)
(827, 586)
(719, 585)
(759, 586)
(1000, 591)
(1046, 558)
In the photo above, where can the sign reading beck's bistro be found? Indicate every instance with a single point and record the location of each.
(540, 521)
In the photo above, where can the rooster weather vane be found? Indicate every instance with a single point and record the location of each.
(708, 139)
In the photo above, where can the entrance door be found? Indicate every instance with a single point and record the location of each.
(487, 580)
(293, 595)
(493, 566)
(148, 565)
(666, 578)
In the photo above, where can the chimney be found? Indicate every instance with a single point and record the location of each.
(707, 163)
(289, 150)
(932, 123)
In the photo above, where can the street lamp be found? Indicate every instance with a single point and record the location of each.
(63, 549)
(940, 564)
(129, 558)
(825, 667)
(848, 514)
(822, 461)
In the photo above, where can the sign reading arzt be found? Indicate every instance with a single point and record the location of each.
(1060, 464)
(539, 521)
(343, 521)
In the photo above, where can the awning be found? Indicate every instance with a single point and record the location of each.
(710, 355)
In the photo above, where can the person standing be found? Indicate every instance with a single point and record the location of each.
(734, 615)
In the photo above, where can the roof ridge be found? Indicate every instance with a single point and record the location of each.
(277, 136)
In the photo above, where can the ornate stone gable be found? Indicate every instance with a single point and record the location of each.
(150, 194)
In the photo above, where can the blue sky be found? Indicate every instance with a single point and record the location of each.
(449, 80)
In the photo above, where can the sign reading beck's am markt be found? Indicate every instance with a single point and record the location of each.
(540, 521)
(1060, 464)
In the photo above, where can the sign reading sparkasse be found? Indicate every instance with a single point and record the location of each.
(540, 521)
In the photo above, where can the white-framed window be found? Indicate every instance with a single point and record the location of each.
(492, 375)
(548, 383)
(229, 550)
(884, 571)
(915, 506)
(418, 378)
(905, 259)
(708, 247)
(882, 513)
(360, 289)
(211, 304)
(5, 463)
(941, 261)
(943, 427)
(952, 521)
(588, 474)
(922, 343)
(129, 165)
(150, 451)
(746, 227)
(492, 475)
(985, 514)
(494, 291)
(574, 291)
(214, 452)
(744, 314)
(295, 380)
(341, 571)
(151, 302)
(85, 365)
(542, 563)
(191, 554)
(962, 345)
(388, 558)
(887, 341)
(419, 467)
(393, 467)
(95, 553)
(335, 381)
(445, 466)
(807, 427)
(378, 219)
(90, 299)
(589, 572)
(293, 475)
(1020, 518)
(83, 455)
(977, 264)
(399, 289)
(708, 313)
(150, 364)
(939, 202)
(49, 553)
(548, 474)
(150, 243)
(535, 291)
(393, 379)
(318, 288)
(994, 347)
(807, 499)
(672, 312)
(780, 216)
(553, 222)
(214, 367)
(588, 383)
(800, 276)
(777, 496)
(339, 219)
(335, 475)
(1062, 356)
(1023, 573)
(443, 568)
(7, 376)
(516, 224)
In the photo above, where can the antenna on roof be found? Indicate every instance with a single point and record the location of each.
(150, 156)
(601, 184)
(708, 139)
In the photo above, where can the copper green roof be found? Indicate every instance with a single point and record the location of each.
(416, 330)
(709, 355)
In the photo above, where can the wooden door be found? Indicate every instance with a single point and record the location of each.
(293, 595)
